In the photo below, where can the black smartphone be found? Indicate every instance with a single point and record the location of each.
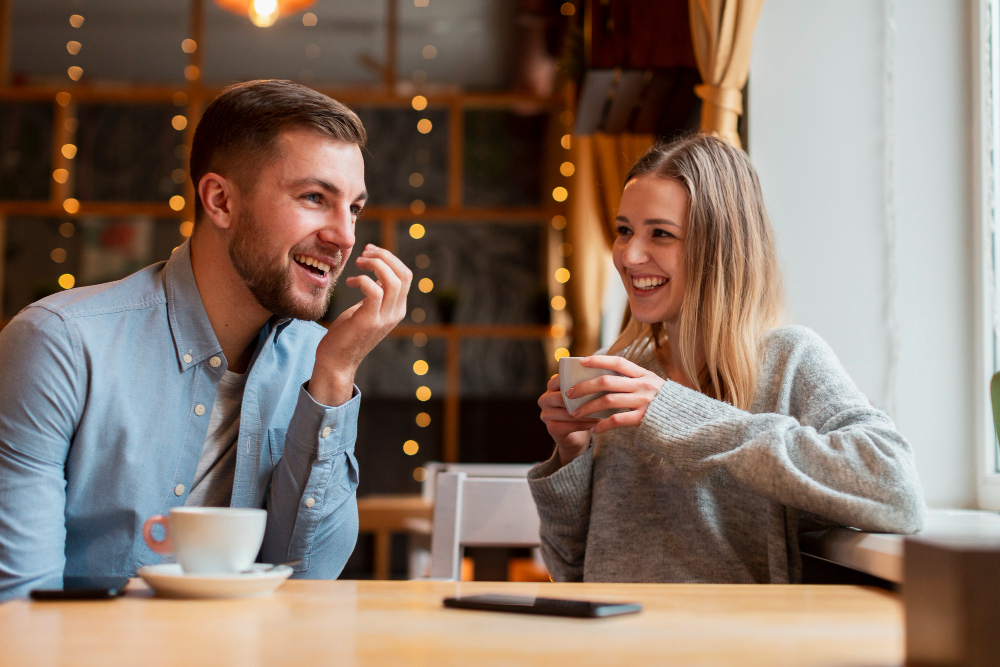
(83, 588)
(547, 606)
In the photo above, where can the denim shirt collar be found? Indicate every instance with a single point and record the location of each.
(194, 338)
(189, 325)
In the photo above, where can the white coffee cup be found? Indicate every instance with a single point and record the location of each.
(209, 540)
(572, 373)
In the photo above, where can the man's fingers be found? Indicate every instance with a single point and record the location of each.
(396, 264)
(373, 293)
(553, 384)
(391, 284)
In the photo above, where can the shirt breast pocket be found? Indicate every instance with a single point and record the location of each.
(276, 444)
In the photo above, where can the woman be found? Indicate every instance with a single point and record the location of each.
(733, 436)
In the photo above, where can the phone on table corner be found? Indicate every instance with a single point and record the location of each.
(545, 606)
(83, 588)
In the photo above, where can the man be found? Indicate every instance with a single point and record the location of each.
(197, 381)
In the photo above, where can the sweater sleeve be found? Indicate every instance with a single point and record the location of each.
(830, 453)
(563, 499)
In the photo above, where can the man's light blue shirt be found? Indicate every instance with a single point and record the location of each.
(105, 398)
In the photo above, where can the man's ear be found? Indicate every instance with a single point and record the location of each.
(218, 196)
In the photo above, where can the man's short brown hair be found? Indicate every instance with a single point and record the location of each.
(237, 132)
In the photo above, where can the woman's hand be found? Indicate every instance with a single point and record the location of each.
(633, 390)
(571, 434)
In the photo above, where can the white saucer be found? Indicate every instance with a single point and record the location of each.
(168, 580)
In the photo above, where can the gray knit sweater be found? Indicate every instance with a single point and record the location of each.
(702, 491)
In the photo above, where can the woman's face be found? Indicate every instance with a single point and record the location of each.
(649, 250)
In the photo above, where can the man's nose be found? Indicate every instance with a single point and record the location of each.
(339, 229)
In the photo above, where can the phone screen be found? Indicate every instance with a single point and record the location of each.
(83, 588)
(547, 606)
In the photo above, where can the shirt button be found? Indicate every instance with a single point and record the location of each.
(187, 358)
(199, 409)
(326, 432)
(310, 502)
(179, 490)
(215, 362)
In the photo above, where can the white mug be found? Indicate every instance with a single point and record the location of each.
(571, 373)
(209, 540)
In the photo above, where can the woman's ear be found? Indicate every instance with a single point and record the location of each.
(217, 198)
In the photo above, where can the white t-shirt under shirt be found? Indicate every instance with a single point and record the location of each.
(213, 482)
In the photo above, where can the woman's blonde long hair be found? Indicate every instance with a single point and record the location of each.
(734, 291)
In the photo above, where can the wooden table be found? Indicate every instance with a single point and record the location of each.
(385, 514)
(403, 622)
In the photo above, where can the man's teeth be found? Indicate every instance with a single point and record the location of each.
(648, 283)
(309, 261)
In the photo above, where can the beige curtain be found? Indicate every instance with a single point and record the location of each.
(722, 32)
(602, 161)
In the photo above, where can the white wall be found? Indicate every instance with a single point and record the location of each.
(819, 137)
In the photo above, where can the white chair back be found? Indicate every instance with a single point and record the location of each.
(479, 511)
(434, 468)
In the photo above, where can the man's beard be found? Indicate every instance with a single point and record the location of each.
(270, 279)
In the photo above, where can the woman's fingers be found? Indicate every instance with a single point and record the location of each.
(618, 420)
(615, 383)
(617, 364)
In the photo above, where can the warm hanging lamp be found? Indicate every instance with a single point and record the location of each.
(264, 12)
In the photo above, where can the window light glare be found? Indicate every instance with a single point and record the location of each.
(189, 46)
(73, 47)
(423, 393)
(179, 122)
(58, 255)
(417, 206)
(63, 98)
(567, 9)
(420, 367)
(423, 420)
(71, 205)
(186, 228)
(557, 331)
(178, 176)
(429, 52)
(560, 194)
(410, 447)
(559, 222)
(425, 285)
(419, 473)
(67, 229)
(74, 72)
(558, 302)
(567, 169)
(263, 13)
(418, 315)
(417, 231)
(177, 202)
(309, 19)
(419, 102)
(191, 72)
(420, 3)
(420, 339)
(60, 175)
(67, 281)
(566, 141)
(416, 179)
(424, 126)
(562, 275)
(560, 353)
(76, 20)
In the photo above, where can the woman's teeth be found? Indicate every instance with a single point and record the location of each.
(321, 267)
(648, 283)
